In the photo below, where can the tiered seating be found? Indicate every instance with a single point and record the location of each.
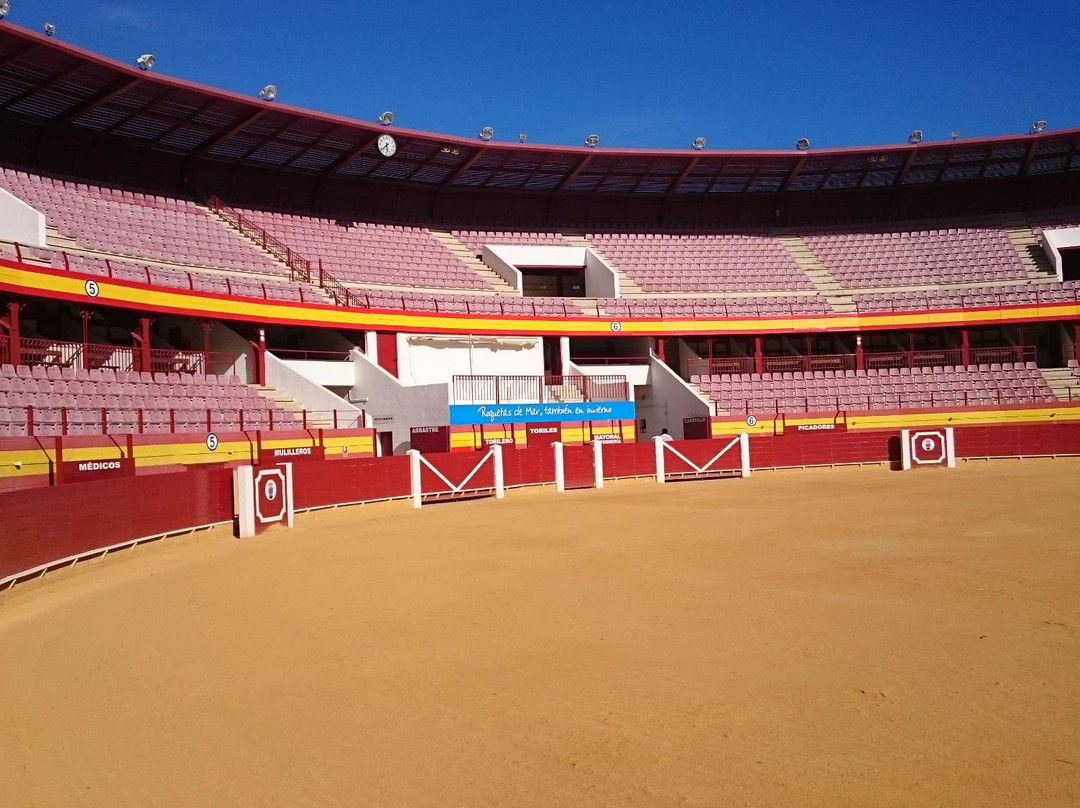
(895, 388)
(890, 258)
(666, 262)
(140, 225)
(477, 239)
(970, 298)
(170, 277)
(106, 401)
(761, 306)
(396, 255)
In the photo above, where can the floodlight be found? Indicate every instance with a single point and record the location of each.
(802, 144)
(592, 141)
(1038, 126)
(955, 134)
(698, 144)
(486, 134)
(269, 92)
(522, 137)
(49, 29)
(386, 118)
(146, 61)
(915, 136)
(5, 8)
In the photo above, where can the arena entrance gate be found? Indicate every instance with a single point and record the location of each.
(432, 475)
(699, 459)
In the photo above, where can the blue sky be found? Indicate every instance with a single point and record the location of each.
(743, 75)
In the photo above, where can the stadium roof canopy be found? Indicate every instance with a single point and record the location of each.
(58, 94)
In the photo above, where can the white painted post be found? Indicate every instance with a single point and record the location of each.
(290, 509)
(497, 464)
(905, 449)
(950, 448)
(598, 463)
(414, 476)
(658, 444)
(744, 453)
(244, 492)
(560, 474)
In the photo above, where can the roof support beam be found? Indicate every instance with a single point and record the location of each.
(461, 169)
(790, 178)
(103, 96)
(39, 87)
(1029, 157)
(140, 111)
(228, 133)
(905, 168)
(570, 177)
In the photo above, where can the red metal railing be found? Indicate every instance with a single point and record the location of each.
(889, 401)
(538, 389)
(731, 365)
(300, 268)
(304, 354)
(611, 360)
(90, 355)
(38, 421)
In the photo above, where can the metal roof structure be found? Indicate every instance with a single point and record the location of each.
(56, 88)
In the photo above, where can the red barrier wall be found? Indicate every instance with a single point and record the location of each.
(534, 465)
(823, 448)
(456, 467)
(629, 460)
(40, 525)
(317, 484)
(1019, 439)
(578, 466)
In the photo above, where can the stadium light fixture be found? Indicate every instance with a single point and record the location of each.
(802, 144)
(522, 137)
(955, 134)
(146, 61)
(386, 118)
(1038, 126)
(5, 8)
(486, 134)
(592, 141)
(915, 136)
(49, 29)
(269, 92)
(698, 144)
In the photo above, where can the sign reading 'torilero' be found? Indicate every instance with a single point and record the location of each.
(539, 413)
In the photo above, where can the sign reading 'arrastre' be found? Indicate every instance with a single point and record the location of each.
(541, 413)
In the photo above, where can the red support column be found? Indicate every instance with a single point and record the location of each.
(660, 348)
(85, 315)
(206, 347)
(260, 363)
(143, 340)
(15, 344)
(965, 347)
(759, 358)
(1076, 341)
(860, 358)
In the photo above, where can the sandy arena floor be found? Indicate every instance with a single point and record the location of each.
(826, 638)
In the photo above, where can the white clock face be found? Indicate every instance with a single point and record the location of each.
(387, 145)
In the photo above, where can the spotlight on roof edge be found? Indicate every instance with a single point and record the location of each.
(1038, 126)
(386, 118)
(146, 61)
(522, 137)
(592, 141)
(915, 136)
(269, 92)
(802, 144)
(955, 134)
(486, 134)
(698, 144)
(49, 29)
(5, 8)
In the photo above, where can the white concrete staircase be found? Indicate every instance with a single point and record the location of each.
(465, 254)
(286, 402)
(626, 284)
(1065, 385)
(828, 287)
(1026, 244)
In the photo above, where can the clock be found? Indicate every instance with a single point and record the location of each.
(387, 145)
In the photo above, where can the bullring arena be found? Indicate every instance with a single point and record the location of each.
(348, 464)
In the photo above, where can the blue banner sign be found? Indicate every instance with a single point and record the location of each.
(461, 414)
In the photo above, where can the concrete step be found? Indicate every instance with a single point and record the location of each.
(467, 256)
(1032, 256)
(823, 280)
(626, 284)
(283, 401)
(1064, 384)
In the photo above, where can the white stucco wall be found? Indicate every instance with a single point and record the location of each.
(665, 402)
(434, 359)
(310, 395)
(20, 222)
(397, 408)
(1055, 240)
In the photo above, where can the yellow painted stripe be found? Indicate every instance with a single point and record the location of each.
(39, 282)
